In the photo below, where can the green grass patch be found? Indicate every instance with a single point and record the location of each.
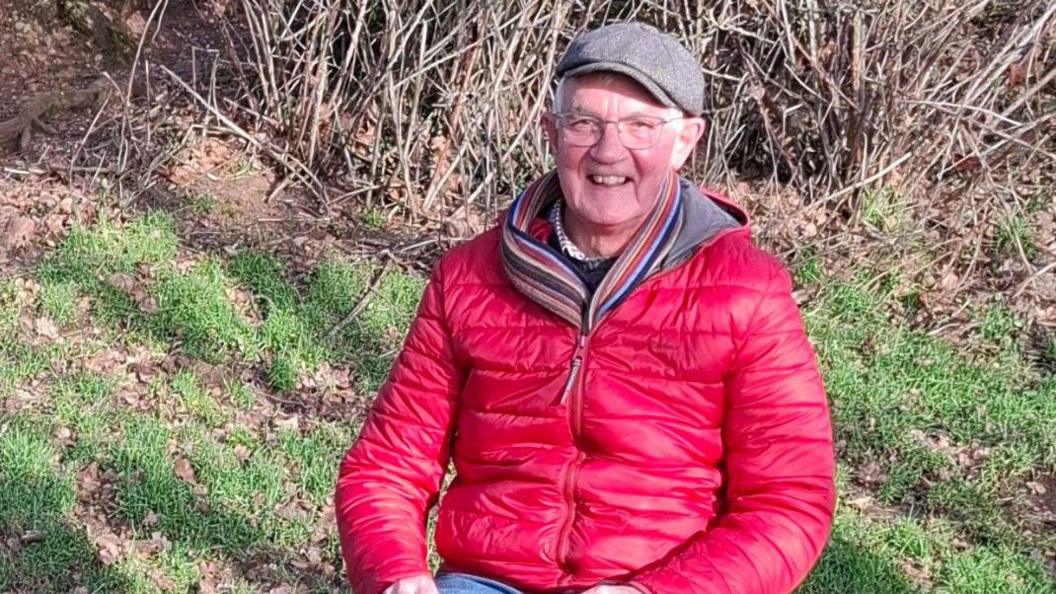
(81, 403)
(948, 432)
(58, 301)
(148, 484)
(334, 290)
(267, 277)
(34, 491)
(87, 258)
(196, 313)
(1015, 235)
(298, 333)
(905, 555)
(19, 361)
(36, 496)
(192, 310)
(316, 458)
(196, 399)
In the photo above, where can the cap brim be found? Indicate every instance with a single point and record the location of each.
(634, 73)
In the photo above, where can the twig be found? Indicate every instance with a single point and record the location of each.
(859, 184)
(293, 165)
(364, 299)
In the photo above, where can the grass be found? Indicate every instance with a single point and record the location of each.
(943, 440)
(883, 210)
(194, 310)
(1015, 235)
(936, 442)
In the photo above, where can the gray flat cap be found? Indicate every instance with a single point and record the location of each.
(654, 59)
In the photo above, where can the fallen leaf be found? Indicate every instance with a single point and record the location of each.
(122, 281)
(242, 452)
(163, 581)
(135, 290)
(14, 544)
(184, 471)
(1017, 75)
(18, 232)
(861, 503)
(109, 549)
(88, 478)
(289, 423)
(46, 328)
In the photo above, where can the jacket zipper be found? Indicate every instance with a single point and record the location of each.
(575, 411)
(570, 396)
(573, 372)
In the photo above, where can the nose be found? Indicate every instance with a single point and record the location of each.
(609, 148)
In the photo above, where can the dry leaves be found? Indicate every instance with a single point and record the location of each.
(182, 469)
(134, 290)
(18, 231)
(109, 548)
(46, 328)
(242, 452)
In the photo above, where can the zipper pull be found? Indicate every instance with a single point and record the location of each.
(571, 379)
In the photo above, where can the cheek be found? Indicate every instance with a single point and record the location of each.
(569, 157)
(654, 165)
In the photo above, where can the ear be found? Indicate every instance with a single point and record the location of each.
(549, 125)
(686, 140)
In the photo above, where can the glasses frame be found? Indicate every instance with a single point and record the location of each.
(559, 121)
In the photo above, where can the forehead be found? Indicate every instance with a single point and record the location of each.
(601, 90)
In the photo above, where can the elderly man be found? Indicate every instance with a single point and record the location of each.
(620, 377)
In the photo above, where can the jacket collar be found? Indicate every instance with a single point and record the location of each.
(681, 221)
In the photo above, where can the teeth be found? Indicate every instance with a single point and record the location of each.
(608, 180)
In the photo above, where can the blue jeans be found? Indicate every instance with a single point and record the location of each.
(451, 582)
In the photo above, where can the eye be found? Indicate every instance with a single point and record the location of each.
(640, 124)
(581, 123)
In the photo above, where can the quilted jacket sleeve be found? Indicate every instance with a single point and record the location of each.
(779, 463)
(392, 474)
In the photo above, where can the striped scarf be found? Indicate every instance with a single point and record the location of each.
(551, 281)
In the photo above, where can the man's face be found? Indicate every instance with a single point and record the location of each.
(608, 188)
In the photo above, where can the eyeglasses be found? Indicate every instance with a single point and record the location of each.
(635, 132)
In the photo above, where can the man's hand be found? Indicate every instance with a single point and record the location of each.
(419, 584)
(611, 589)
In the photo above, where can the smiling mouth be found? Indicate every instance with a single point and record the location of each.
(607, 180)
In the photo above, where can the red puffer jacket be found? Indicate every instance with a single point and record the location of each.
(689, 451)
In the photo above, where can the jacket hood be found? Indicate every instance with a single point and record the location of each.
(706, 214)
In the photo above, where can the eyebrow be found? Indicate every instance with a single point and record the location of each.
(579, 110)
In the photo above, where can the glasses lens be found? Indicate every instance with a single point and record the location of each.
(579, 130)
(636, 132)
(640, 132)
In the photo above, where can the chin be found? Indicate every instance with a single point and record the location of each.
(608, 220)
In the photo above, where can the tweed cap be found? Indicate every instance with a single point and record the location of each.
(654, 59)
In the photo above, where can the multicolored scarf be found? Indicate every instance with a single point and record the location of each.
(548, 279)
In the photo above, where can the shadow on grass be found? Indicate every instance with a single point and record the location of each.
(41, 550)
(59, 561)
(848, 567)
(236, 511)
